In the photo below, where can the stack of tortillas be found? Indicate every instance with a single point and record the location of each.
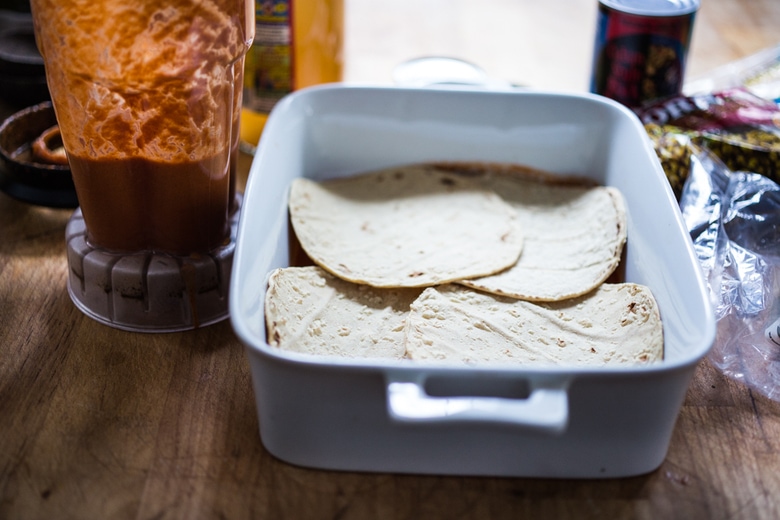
(461, 264)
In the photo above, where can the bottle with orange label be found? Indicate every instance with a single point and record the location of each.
(297, 43)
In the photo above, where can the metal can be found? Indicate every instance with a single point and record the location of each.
(641, 49)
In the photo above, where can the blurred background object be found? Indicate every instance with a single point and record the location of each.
(22, 75)
(297, 44)
(641, 49)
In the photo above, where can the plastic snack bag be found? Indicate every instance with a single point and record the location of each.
(741, 128)
(673, 145)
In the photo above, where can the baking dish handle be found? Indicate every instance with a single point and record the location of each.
(545, 409)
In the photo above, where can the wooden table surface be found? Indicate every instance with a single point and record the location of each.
(99, 423)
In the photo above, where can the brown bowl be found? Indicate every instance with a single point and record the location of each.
(22, 176)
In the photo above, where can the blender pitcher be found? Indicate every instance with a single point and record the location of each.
(147, 96)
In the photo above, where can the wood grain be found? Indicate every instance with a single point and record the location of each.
(100, 423)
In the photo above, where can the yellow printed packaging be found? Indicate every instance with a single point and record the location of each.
(297, 43)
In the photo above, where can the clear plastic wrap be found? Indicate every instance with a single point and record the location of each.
(734, 220)
(759, 73)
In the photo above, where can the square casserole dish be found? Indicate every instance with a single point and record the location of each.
(401, 417)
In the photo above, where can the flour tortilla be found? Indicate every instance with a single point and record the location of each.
(574, 236)
(310, 311)
(412, 226)
(617, 324)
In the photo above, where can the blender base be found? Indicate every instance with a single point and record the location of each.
(148, 291)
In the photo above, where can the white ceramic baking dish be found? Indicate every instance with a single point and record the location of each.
(401, 417)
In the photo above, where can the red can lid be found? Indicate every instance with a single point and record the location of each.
(653, 7)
